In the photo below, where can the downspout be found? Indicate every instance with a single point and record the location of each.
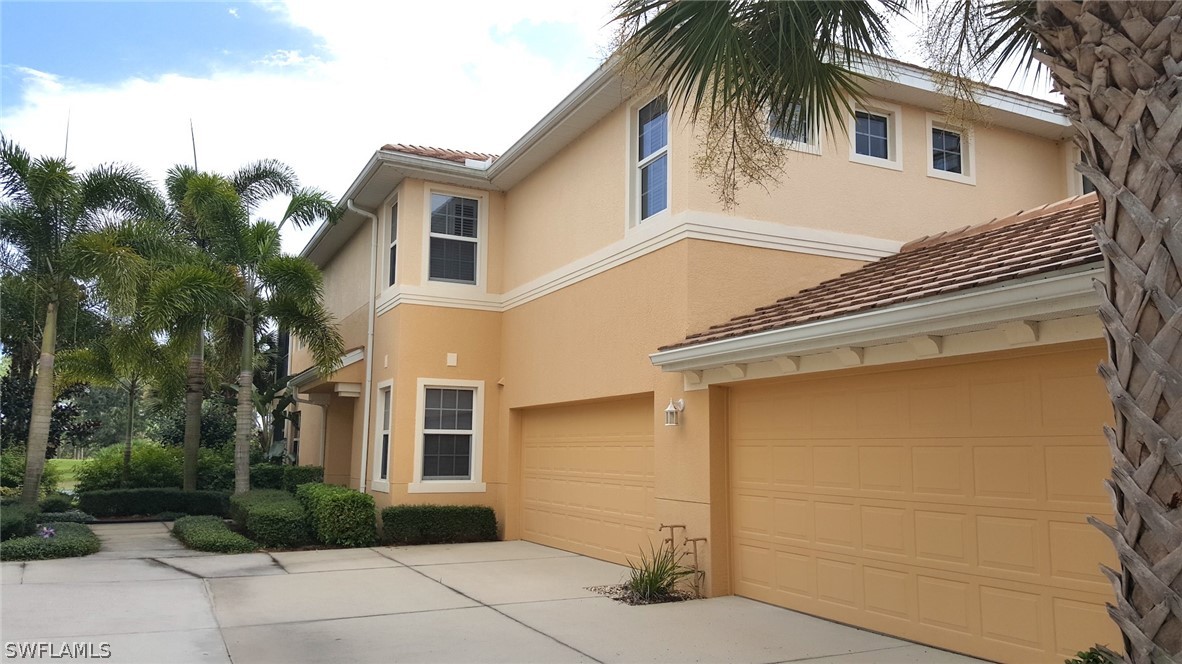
(373, 279)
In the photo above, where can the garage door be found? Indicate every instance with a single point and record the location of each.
(587, 477)
(942, 503)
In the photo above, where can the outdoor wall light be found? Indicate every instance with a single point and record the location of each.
(671, 412)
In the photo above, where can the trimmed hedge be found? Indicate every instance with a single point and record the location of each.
(146, 502)
(339, 515)
(69, 516)
(210, 533)
(293, 476)
(266, 476)
(272, 517)
(438, 524)
(68, 541)
(17, 521)
(57, 502)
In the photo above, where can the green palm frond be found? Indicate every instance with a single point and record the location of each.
(309, 206)
(261, 242)
(292, 276)
(188, 292)
(264, 179)
(118, 269)
(14, 170)
(313, 324)
(122, 189)
(85, 365)
(218, 213)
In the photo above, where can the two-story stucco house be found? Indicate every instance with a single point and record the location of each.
(912, 447)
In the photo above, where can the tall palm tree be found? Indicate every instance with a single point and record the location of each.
(272, 288)
(1117, 65)
(46, 209)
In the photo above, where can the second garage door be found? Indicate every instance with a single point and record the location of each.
(943, 503)
(587, 477)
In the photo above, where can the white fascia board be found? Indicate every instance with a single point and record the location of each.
(920, 78)
(308, 375)
(1059, 293)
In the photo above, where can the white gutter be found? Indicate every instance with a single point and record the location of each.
(373, 278)
(1058, 294)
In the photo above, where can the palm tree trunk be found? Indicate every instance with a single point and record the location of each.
(245, 411)
(1117, 65)
(126, 476)
(194, 394)
(42, 410)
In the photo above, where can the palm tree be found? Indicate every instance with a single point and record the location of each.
(271, 288)
(46, 209)
(1117, 65)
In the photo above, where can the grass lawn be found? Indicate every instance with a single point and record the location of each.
(67, 469)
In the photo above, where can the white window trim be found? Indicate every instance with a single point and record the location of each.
(811, 146)
(473, 485)
(968, 154)
(894, 115)
(634, 165)
(481, 199)
(391, 239)
(376, 482)
(1074, 178)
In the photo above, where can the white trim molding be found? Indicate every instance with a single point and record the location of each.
(1064, 295)
(894, 116)
(656, 233)
(376, 482)
(476, 469)
(968, 154)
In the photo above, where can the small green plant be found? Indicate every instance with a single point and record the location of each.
(271, 517)
(1095, 655)
(57, 502)
(17, 521)
(339, 516)
(210, 533)
(655, 577)
(69, 516)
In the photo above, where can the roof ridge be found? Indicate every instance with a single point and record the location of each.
(998, 222)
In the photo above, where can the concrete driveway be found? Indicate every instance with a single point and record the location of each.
(154, 601)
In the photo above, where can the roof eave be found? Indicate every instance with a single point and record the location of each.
(1056, 294)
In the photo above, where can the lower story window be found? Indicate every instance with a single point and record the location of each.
(447, 433)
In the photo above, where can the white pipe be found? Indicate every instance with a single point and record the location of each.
(373, 293)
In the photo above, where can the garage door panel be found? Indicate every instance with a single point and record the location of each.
(943, 503)
(587, 477)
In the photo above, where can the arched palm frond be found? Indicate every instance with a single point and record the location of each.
(264, 179)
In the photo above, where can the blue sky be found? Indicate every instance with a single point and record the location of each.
(319, 85)
(100, 43)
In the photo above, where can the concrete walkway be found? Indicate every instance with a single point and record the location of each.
(154, 601)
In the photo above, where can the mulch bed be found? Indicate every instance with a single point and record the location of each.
(620, 593)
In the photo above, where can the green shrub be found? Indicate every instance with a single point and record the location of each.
(135, 502)
(655, 577)
(215, 469)
(293, 476)
(69, 516)
(271, 517)
(152, 466)
(438, 524)
(17, 521)
(1095, 655)
(57, 502)
(266, 476)
(210, 533)
(12, 472)
(68, 540)
(339, 515)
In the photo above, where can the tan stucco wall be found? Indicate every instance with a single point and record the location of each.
(427, 335)
(1015, 171)
(571, 206)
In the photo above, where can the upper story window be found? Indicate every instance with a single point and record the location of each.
(947, 151)
(950, 151)
(875, 136)
(453, 246)
(871, 135)
(653, 157)
(393, 244)
(793, 132)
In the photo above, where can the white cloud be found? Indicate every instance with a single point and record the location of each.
(233, 11)
(430, 73)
